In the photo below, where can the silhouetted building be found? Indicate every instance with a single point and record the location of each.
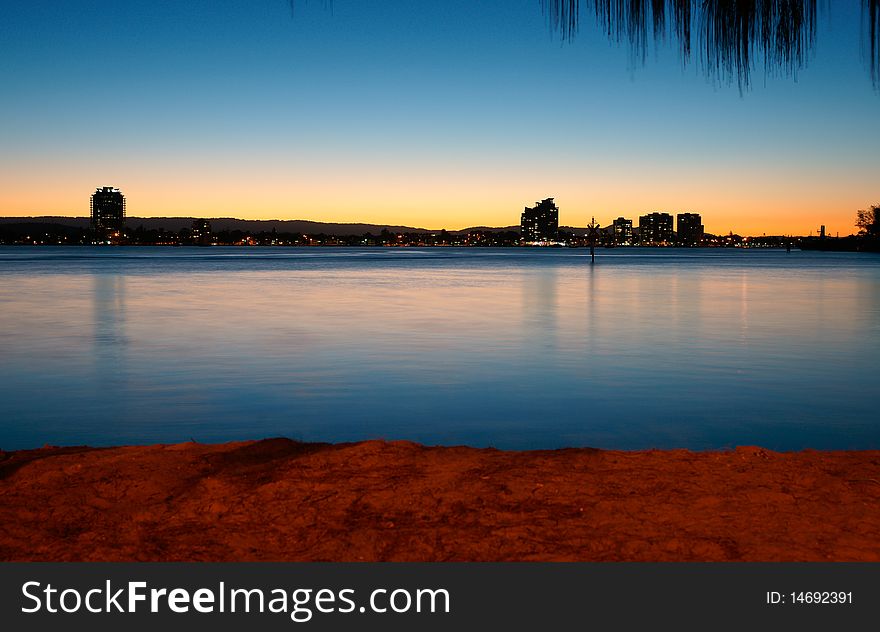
(690, 229)
(108, 212)
(655, 228)
(540, 223)
(201, 232)
(622, 231)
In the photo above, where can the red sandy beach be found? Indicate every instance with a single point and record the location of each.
(282, 500)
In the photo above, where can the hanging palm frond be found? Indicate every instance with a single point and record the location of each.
(731, 35)
(563, 15)
(871, 20)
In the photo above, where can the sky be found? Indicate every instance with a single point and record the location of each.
(430, 114)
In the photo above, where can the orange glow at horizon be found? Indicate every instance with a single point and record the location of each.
(452, 198)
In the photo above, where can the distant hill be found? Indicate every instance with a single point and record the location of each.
(306, 227)
(75, 222)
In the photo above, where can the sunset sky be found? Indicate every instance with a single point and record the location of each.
(430, 114)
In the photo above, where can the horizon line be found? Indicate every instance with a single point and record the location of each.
(383, 225)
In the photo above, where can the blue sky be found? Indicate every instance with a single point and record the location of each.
(423, 113)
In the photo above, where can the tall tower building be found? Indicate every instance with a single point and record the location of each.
(540, 223)
(655, 229)
(690, 229)
(108, 212)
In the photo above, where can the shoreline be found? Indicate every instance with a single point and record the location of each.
(281, 500)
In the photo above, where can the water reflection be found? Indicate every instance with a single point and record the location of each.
(108, 313)
(514, 348)
(539, 310)
(110, 389)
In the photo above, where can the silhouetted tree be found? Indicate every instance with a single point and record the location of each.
(868, 221)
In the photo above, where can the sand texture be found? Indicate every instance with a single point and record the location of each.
(283, 500)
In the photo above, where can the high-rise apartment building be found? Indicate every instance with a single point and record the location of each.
(655, 229)
(690, 229)
(541, 223)
(108, 212)
(622, 231)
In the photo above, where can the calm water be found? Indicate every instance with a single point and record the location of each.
(518, 348)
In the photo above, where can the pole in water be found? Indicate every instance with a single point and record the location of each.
(592, 230)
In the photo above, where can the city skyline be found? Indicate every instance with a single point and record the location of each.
(404, 115)
(545, 213)
(620, 230)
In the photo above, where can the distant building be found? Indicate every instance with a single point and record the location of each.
(540, 223)
(690, 229)
(201, 232)
(622, 231)
(108, 212)
(655, 229)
